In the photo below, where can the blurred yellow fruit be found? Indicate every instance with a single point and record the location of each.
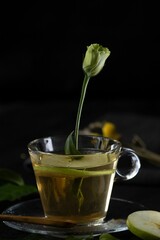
(109, 130)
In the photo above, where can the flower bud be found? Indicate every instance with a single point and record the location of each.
(94, 59)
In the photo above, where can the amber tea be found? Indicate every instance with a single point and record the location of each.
(75, 188)
(77, 194)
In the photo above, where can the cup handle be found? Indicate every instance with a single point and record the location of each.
(127, 156)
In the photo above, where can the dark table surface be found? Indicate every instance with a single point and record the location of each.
(22, 122)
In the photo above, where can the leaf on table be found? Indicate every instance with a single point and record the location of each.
(107, 236)
(11, 192)
(91, 237)
(11, 176)
(103, 236)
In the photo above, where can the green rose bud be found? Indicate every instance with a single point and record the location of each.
(94, 59)
(93, 63)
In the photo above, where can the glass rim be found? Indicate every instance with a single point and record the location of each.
(36, 140)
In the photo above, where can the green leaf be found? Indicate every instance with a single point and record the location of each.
(11, 176)
(80, 238)
(103, 236)
(107, 236)
(70, 147)
(12, 192)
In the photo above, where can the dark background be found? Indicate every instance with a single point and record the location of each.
(43, 42)
(41, 49)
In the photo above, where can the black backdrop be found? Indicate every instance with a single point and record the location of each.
(43, 42)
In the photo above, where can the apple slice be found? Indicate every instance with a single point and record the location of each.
(145, 224)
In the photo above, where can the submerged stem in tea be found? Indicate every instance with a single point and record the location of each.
(93, 63)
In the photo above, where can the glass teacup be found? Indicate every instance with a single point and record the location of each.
(77, 188)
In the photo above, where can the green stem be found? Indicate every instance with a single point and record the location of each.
(83, 92)
(80, 195)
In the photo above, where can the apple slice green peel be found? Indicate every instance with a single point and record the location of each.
(71, 172)
(145, 224)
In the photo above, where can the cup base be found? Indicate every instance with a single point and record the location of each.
(115, 221)
(80, 221)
